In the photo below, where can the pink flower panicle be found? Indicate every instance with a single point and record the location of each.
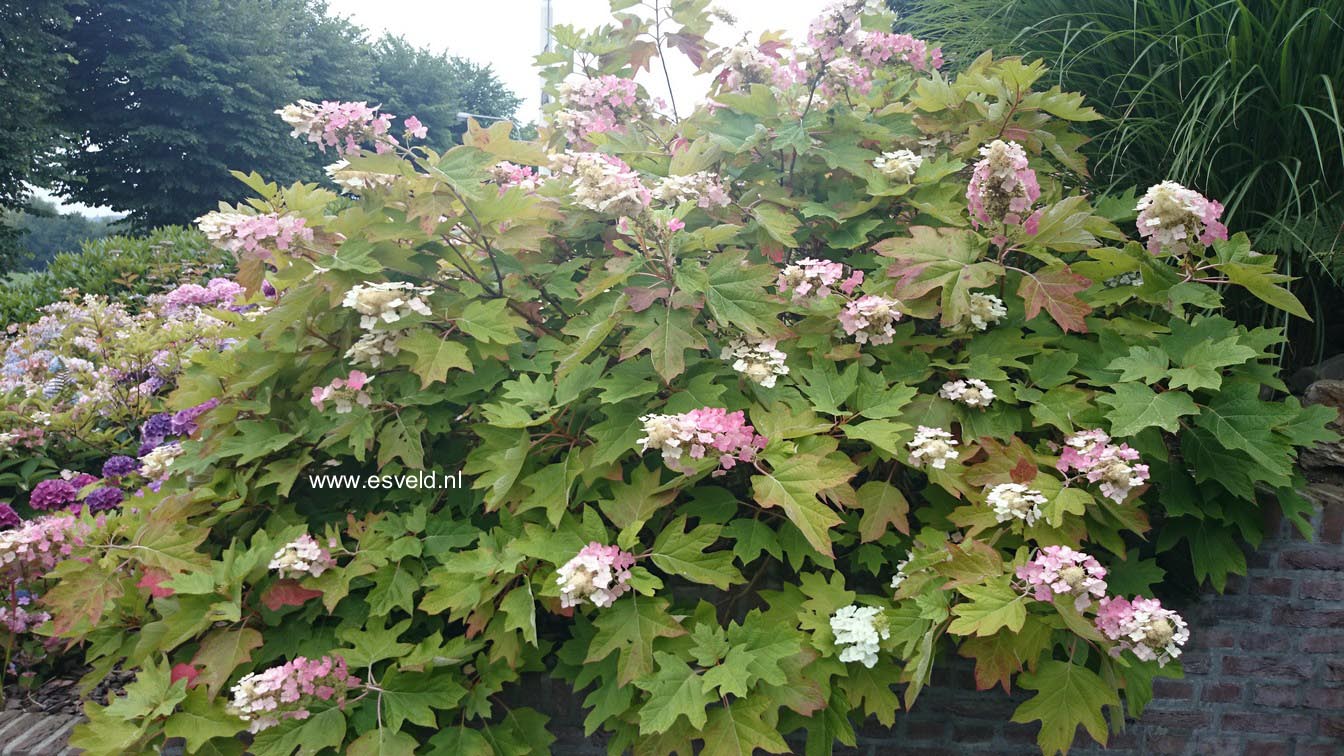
(235, 232)
(1003, 187)
(264, 699)
(699, 433)
(746, 64)
(1144, 627)
(1061, 571)
(415, 128)
(300, 558)
(1110, 465)
(810, 278)
(1171, 215)
(345, 392)
(598, 105)
(870, 319)
(509, 175)
(39, 544)
(343, 126)
(878, 48)
(218, 292)
(598, 573)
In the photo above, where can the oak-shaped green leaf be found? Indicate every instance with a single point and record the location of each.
(683, 554)
(434, 356)
(491, 321)
(1067, 696)
(413, 696)
(675, 691)
(630, 627)
(743, 727)
(1134, 407)
(988, 609)
(793, 483)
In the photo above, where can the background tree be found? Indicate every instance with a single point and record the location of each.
(435, 87)
(168, 95)
(33, 63)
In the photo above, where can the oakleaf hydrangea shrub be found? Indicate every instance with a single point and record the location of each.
(763, 410)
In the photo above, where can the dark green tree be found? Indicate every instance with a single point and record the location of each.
(168, 95)
(33, 62)
(435, 87)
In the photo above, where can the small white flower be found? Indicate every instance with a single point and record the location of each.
(932, 446)
(971, 392)
(984, 310)
(1015, 501)
(155, 464)
(300, 558)
(759, 360)
(900, 164)
(860, 629)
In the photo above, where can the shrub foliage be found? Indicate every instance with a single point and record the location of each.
(761, 414)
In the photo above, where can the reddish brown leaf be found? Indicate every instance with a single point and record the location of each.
(1056, 290)
(1024, 471)
(185, 672)
(284, 593)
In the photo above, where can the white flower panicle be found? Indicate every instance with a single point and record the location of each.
(758, 359)
(1170, 215)
(900, 575)
(300, 558)
(984, 310)
(603, 183)
(155, 464)
(900, 165)
(343, 176)
(703, 188)
(971, 392)
(1012, 501)
(870, 319)
(860, 629)
(386, 302)
(932, 447)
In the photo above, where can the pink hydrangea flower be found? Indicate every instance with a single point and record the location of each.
(699, 433)
(812, 278)
(301, 557)
(1003, 187)
(1109, 465)
(1171, 215)
(345, 392)
(217, 292)
(870, 319)
(264, 699)
(343, 126)
(235, 232)
(1143, 627)
(1062, 571)
(598, 573)
(415, 128)
(508, 175)
(879, 47)
(675, 225)
(38, 545)
(598, 105)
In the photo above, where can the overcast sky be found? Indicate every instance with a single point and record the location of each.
(508, 33)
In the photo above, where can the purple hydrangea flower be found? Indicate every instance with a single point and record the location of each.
(156, 430)
(81, 480)
(184, 421)
(119, 465)
(52, 494)
(104, 499)
(8, 517)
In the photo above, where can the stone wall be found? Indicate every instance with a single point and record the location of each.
(1264, 672)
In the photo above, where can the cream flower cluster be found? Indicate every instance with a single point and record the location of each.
(699, 433)
(603, 183)
(301, 557)
(759, 360)
(387, 302)
(971, 392)
(289, 691)
(900, 165)
(983, 310)
(932, 447)
(860, 629)
(1144, 627)
(373, 346)
(347, 178)
(703, 188)
(1015, 501)
(598, 574)
(155, 464)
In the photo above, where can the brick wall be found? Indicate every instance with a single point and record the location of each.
(1264, 672)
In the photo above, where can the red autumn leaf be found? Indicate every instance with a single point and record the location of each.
(184, 672)
(1056, 290)
(284, 593)
(152, 580)
(1024, 471)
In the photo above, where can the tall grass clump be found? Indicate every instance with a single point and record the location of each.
(1240, 99)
